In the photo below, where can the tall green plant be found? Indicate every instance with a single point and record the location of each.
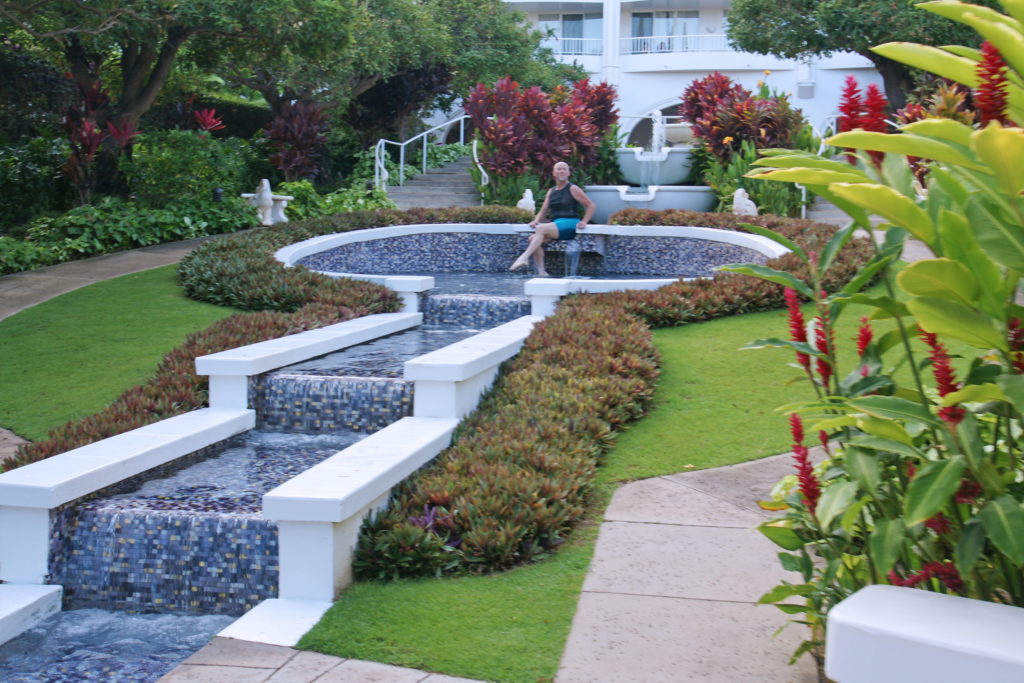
(924, 483)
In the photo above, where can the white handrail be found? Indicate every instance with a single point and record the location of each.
(484, 178)
(380, 173)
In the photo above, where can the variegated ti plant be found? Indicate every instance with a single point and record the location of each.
(924, 481)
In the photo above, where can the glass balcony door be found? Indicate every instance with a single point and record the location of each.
(664, 31)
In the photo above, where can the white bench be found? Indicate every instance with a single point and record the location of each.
(891, 634)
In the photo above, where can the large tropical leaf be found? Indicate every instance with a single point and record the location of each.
(932, 488)
(885, 544)
(940, 277)
(949, 319)
(898, 209)
(1003, 520)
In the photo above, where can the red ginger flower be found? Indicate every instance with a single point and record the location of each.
(823, 343)
(797, 327)
(939, 524)
(990, 96)
(864, 336)
(945, 378)
(873, 118)
(968, 491)
(810, 488)
(943, 571)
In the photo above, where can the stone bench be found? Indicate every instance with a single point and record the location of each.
(891, 634)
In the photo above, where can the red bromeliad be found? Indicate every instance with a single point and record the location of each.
(945, 378)
(990, 96)
(810, 487)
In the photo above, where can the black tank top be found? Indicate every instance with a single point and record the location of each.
(562, 204)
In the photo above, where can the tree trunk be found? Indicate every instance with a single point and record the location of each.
(896, 79)
(145, 71)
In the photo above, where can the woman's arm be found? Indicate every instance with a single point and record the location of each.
(588, 205)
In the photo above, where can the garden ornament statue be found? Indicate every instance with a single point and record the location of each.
(269, 205)
(741, 204)
(527, 202)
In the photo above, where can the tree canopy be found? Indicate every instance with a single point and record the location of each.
(792, 29)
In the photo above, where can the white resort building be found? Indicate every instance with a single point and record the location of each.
(651, 50)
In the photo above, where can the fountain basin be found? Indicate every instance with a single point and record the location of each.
(612, 198)
(670, 166)
(678, 133)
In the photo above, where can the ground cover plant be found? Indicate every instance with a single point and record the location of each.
(924, 484)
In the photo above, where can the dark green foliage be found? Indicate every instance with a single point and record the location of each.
(31, 181)
(33, 94)
(241, 119)
(115, 225)
(173, 165)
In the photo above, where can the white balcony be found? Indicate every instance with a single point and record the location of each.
(670, 44)
(574, 46)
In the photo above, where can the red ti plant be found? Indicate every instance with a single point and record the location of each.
(207, 120)
(81, 125)
(298, 138)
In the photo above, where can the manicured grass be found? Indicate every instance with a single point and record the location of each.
(72, 355)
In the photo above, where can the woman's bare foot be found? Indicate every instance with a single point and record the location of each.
(544, 274)
(518, 263)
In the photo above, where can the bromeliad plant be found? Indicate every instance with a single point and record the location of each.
(923, 484)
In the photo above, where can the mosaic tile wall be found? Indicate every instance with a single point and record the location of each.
(673, 256)
(176, 561)
(473, 310)
(309, 403)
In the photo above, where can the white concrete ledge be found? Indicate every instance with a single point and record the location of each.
(545, 293)
(407, 286)
(229, 370)
(277, 621)
(22, 607)
(449, 381)
(64, 477)
(890, 634)
(320, 511)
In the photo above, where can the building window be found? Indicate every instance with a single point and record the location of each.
(572, 34)
(675, 31)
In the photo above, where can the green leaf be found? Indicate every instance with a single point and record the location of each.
(1002, 149)
(973, 393)
(879, 443)
(944, 129)
(932, 488)
(885, 543)
(939, 277)
(969, 546)
(906, 144)
(1013, 390)
(813, 176)
(959, 244)
(838, 240)
(776, 237)
(931, 59)
(894, 408)
(834, 499)
(784, 591)
(1003, 520)
(782, 536)
(863, 468)
(891, 205)
(889, 305)
(950, 319)
(998, 237)
(765, 273)
(833, 423)
(806, 161)
(776, 343)
(849, 520)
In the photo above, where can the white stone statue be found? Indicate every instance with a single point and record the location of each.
(527, 202)
(741, 204)
(269, 205)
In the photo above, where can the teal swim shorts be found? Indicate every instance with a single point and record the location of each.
(566, 228)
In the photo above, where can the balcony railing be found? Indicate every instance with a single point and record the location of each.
(573, 46)
(667, 44)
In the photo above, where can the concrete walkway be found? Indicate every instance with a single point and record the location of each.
(669, 596)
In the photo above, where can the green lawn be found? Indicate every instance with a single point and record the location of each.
(72, 355)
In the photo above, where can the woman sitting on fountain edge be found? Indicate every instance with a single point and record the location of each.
(563, 201)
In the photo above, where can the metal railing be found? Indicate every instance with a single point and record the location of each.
(638, 45)
(574, 46)
(380, 152)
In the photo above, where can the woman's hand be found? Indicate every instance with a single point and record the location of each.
(580, 225)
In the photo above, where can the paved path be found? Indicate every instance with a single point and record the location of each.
(669, 595)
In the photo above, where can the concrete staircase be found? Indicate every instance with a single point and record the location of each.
(442, 187)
